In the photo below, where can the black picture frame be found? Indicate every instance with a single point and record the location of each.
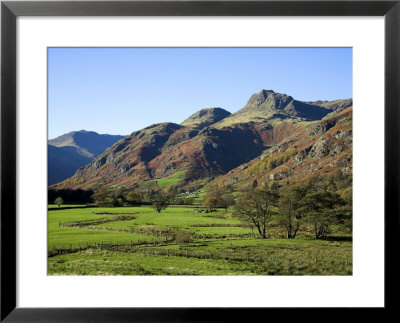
(10, 10)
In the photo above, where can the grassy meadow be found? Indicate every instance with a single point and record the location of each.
(182, 241)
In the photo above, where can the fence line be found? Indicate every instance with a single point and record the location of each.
(101, 245)
(135, 247)
(229, 257)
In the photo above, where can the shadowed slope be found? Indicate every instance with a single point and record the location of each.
(68, 152)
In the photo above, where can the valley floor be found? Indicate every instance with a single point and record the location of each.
(179, 241)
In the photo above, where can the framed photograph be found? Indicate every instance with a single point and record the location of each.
(187, 160)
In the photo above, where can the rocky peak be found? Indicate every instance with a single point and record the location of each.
(278, 100)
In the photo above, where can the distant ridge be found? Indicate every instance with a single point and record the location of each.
(75, 149)
(88, 143)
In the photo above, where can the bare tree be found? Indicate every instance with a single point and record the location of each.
(226, 201)
(290, 216)
(257, 208)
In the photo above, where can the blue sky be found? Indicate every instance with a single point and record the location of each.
(120, 90)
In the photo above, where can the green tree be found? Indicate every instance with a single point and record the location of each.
(59, 201)
(345, 212)
(159, 202)
(290, 215)
(321, 209)
(257, 208)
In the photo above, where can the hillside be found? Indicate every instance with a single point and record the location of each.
(68, 152)
(316, 148)
(213, 142)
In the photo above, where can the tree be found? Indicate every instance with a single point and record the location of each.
(211, 202)
(218, 196)
(133, 197)
(59, 201)
(321, 210)
(257, 208)
(290, 215)
(159, 202)
(274, 186)
(101, 194)
(345, 212)
(69, 195)
(226, 201)
(118, 193)
(170, 191)
(213, 198)
(104, 197)
(255, 184)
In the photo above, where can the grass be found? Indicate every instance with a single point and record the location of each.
(213, 259)
(111, 263)
(64, 237)
(217, 245)
(219, 232)
(170, 180)
(200, 195)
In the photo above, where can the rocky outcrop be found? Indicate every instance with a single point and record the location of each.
(320, 148)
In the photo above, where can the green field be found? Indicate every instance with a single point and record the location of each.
(180, 241)
(170, 180)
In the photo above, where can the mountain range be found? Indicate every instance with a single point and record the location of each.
(68, 152)
(214, 142)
